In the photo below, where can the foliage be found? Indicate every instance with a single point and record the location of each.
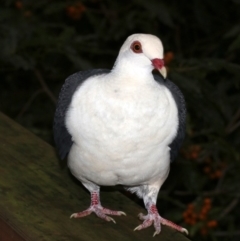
(43, 42)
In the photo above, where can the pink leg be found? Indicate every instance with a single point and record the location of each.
(154, 217)
(97, 208)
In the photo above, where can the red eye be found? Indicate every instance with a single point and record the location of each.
(136, 47)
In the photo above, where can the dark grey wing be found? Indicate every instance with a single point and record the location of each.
(62, 138)
(180, 102)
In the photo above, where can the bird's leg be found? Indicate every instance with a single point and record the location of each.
(97, 208)
(153, 216)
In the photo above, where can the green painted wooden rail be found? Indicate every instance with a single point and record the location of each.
(37, 197)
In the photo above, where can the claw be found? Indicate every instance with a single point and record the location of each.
(184, 230)
(122, 213)
(110, 219)
(74, 215)
(81, 214)
(145, 224)
(156, 232)
(138, 227)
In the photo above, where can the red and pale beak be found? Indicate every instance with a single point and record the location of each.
(159, 65)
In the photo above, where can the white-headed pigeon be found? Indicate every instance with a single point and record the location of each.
(122, 126)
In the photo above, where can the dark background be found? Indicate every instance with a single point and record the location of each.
(43, 42)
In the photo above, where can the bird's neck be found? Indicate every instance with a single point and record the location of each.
(130, 73)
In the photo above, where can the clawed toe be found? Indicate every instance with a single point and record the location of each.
(145, 224)
(112, 212)
(142, 217)
(148, 220)
(156, 232)
(184, 230)
(122, 213)
(81, 214)
(155, 219)
(109, 219)
(100, 212)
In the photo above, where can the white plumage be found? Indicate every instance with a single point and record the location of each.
(121, 125)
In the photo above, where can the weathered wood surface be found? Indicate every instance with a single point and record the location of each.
(37, 197)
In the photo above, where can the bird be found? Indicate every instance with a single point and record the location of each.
(122, 126)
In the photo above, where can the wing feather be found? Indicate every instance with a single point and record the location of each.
(180, 102)
(62, 138)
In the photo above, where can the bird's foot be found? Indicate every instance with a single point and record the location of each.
(154, 218)
(99, 211)
(97, 208)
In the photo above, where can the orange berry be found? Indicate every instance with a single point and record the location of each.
(212, 224)
(194, 155)
(204, 210)
(208, 160)
(80, 7)
(207, 201)
(190, 206)
(187, 155)
(185, 214)
(194, 151)
(188, 220)
(197, 148)
(202, 216)
(168, 57)
(27, 14)
(192, 222)
(207, 169)
(19, 4)
(194, 215)
(75, 11)
(204, 231)
(223, 164)
(218, 173)
(208, 206)
(212, 176)
(70, 10)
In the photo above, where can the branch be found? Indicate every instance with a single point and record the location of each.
(44, 85)
(204, 194)
(186, 69)
(233, 124)
(227, 233)
(229, 208)
(233, 127)
(28, 103)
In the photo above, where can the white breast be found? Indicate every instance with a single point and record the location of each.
(121, 133)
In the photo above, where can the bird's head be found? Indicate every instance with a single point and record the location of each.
(143, 51)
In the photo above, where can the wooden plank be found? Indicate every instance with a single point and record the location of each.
(37, 196)
(8, 233)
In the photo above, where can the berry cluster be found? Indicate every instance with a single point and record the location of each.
(213, 172)
(75, 11)
(193, 215)
(18, 4)
(192, 152)
(168, 57)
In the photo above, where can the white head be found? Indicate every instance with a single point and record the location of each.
(142, 51)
